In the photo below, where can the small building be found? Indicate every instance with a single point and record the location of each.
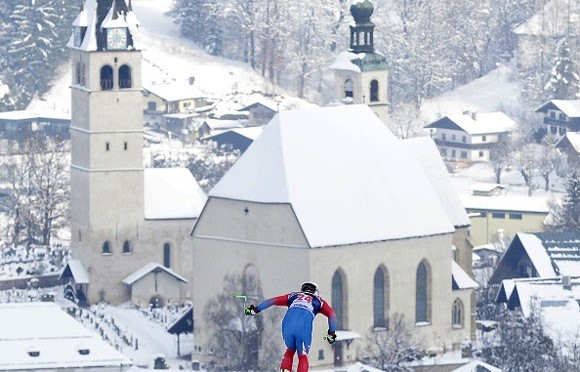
(495, 217)
(40, 336)
(540, 255)
(170, 98)
(560, 116)
(76, 280)
(260, 112)
(236, 138)
(487, 189)
(211, 126)
(470, 137)
(154, 284)
(570, 145)
(487, 255)
(21, 124)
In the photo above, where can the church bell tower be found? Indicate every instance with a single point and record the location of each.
(361, 74)
(107, 146)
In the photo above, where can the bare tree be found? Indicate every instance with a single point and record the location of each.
(392, 348)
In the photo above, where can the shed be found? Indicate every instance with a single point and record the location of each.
(154, 284)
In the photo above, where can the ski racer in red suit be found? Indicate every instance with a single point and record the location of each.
(297, 323)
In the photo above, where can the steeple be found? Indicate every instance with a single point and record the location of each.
(362, 33)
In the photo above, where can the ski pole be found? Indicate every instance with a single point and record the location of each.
(241, 296)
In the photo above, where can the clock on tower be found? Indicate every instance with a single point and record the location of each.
(117, 38)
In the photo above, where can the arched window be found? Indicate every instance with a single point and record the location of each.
(83, 75)
(106, 77)
(374, 91)
(167, 255)
(348, 89)
(423, 294)
(126, 247)
(380, 297)
(457, 316)
(338, 303)
(79, 70)
(124, 77)
(106, 248)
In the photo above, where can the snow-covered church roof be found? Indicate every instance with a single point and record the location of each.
(346, 176)
(172, 193)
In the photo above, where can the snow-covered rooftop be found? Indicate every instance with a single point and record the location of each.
(151, 267)
(574, 138)
(77, 271)
(508, 203)
(223, 124)
(248, 132)
(347, 177)
(344, 62)
(460, 278)
(571, 108)
(427, 154)
(172, 92)
(537, 254)
(31, 115)
(44, 328)
(483, 123)
(172, 193)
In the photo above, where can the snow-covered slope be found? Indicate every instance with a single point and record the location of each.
(167, 58)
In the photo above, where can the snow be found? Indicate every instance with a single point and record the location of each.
(571, 108)
(172, 193)
(344, 62)
(513, 203)
(484, 123)
(78, 271)
(346, 335)
(248, 132)
(174, 91)
(29, 115)
(537, 254)
(476, 366)
(25, 328)
(461, 278)
(427, 155)
(336, 177)
(129, 280)
(574, 138)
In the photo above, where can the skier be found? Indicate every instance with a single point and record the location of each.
(297, 323)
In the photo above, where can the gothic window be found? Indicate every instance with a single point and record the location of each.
(124, 77)
(126, 247)
(457, 316)
(106, 77)
(106, 248)
(380, 297)
(423, 294)
(374, 91)
(337, 299)
(348, 89)
(167, 255)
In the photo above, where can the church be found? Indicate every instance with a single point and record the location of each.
(129, 224)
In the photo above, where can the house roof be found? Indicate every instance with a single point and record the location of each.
(183, 323)
(345, 186)
(476, 124)
(172, 193)
(460, 279)
(477, 366)
(75, 269)
(269, 105)
(151, 267)
(427, 154)
(215, 124)
(506, 203)
(573, 138)
(45, 328)
(172, 92)
(248, 132)
(19, 115)
(571, 108)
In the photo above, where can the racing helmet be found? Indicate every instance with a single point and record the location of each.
(309, 287)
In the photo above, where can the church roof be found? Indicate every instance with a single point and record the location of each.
(172, 193)
(371, 62)
(460, 279)
(346, 176)
(427, 154)
(149, 268)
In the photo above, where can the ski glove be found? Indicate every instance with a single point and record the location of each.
(251, 310)
(331, 337)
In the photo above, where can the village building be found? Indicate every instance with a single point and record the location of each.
(560, 117)
(260, 112)
(42, 337)
(236, 138)
(358, 214)
(170, 98)
(570, 146)
(361, 73)
(470, 137)
(123, 217)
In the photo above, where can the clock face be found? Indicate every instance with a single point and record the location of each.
(116, 38)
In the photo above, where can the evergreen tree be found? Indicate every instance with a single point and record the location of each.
(566, 215)
(563, 81)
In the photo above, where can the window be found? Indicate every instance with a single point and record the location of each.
(515, 216)
(464, 139)
(457, 316)
(106, 248)
(125, 146)
(167, 255)
(337, 299)
(124, 77)
(453, 153)
(107, 146)
(453, 138)
(553, 129)
(374, 91)
(483, 138)
(481, 154)
(151, 106)
(498, 215)
(320, 354)
(126, 247)
(380, 298)
(562, 131)
(106, 77)
(444, 152)
(561, 116)
(552, 114)
(463, 155)
(348, 89)
(422, 294)
(78, 73)
(443, 136)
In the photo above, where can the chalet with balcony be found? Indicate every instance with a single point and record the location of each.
(560, 116)
(470, 136)
(173, 98)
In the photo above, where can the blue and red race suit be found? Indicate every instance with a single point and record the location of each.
(297, 323)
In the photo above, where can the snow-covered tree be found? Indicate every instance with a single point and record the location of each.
(566, 214)
(393, 348)
(527, 162)
(563, 81)
(551, 159)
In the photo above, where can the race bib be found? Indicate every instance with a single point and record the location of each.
(303, 301)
